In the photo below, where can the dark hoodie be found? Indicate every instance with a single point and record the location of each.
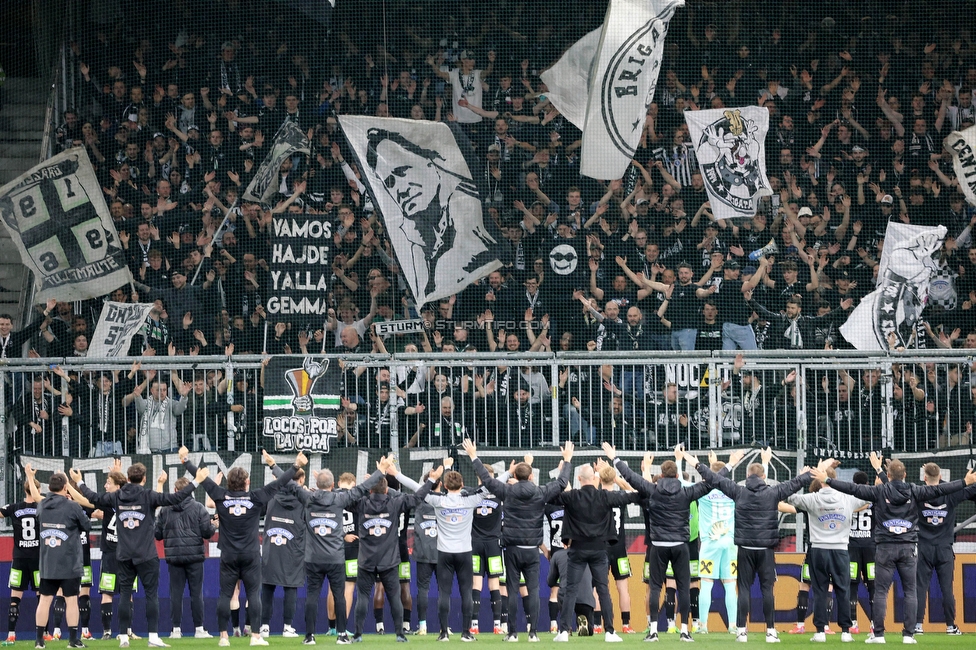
(135, 511)
(896, 505)
(756, 502)
(183, 528)
(669, 502)
(283, 549)
(324, 518)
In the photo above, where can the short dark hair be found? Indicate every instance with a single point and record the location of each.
(181, 483)
(523, 471)
(669, 469)
(896, 470)
(453, 480)
(136, 473)
(381, 486)
(860, 478)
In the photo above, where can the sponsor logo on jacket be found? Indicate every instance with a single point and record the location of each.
(897, 526)
(279, 536)
(238, 507)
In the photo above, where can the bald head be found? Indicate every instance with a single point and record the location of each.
(587, 476)
(324, 480)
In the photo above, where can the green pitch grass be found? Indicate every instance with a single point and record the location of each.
(388, 642)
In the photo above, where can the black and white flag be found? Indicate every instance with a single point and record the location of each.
(289, 140)
(730, 144)
(605, 82)
(904, 273)
(57, 216)
(962, 146)
(422, 179)
(119, 322)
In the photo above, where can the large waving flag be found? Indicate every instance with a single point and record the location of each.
(57, 216)
(422, 177)
(730, 145)
(617, 65)
(289, 140)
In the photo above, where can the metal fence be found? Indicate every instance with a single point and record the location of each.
(835, 403)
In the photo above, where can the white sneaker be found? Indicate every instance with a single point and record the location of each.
(265, 631)
(741, 637)
(612, 637)
(224, 642)
(123, 640)
(562, 637)
(157, 643)
(175, 634)
(258, 640)
(201, 633)
(819, 637)
(772, 636)
(289, 632)
(846, 637)
(875, 639)
(908, 640)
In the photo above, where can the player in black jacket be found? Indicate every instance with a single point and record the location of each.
(670, 511)
(184, 528)
(135, 508)
(896, 532)
(379, 546)
(61, 523)
(525, 504)
(239, 516)
(937, 520)
(588, 528)
(23, 569)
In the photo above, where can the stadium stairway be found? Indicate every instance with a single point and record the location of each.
(21, 131)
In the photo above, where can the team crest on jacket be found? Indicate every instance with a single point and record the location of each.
(53, 538)
(377, 527)
(238, 507)
(279, 536)
(131, 520)
(322, 526)
(935, 515)
(831, 521)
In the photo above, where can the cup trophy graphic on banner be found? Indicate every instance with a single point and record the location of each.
(302, 380)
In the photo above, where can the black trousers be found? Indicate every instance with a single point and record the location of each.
(289, 602)
(425, 571)
(148, 574)
(244, 568)
(448, 566)
(751, 563)
(316, 575)
(181, 575)
(679, 557)
(390, 579)
(525, 562)
(830, 566)
(904, 559)
(943, 560)
(596, 559)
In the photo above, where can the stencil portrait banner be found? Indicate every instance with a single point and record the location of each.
(421, 176)
(117, 324)
(731, 151)
(57, 217)
(605, 82)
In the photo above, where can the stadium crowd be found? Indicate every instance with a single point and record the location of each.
(177, 117)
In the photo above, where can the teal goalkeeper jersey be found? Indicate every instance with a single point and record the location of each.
(716, 518)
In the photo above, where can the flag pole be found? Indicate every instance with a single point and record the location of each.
(213, 242)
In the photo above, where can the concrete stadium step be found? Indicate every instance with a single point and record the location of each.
(21, 130)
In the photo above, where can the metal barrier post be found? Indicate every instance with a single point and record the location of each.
(715, 432)
(553, 401)
(8, 485)
(886, 381)
(801, 439)
(229, 378)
